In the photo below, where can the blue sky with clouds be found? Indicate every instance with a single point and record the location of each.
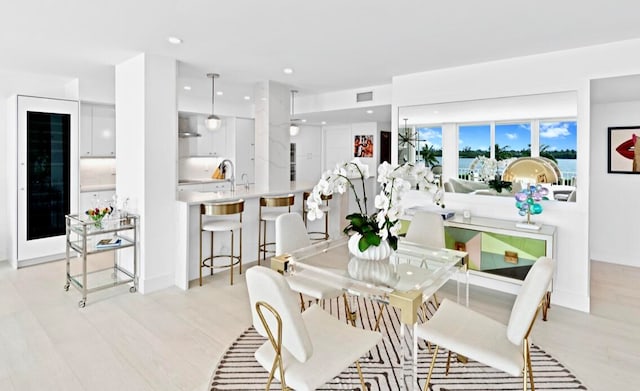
(557, 135)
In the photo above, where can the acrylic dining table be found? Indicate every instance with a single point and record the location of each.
(411, 276)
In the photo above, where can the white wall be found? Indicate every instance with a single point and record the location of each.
(614, 211)
(568, 70)
(147, 150)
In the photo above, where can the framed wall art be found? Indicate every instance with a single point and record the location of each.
(363, 146)
(624, 150)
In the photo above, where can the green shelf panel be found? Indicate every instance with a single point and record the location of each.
(525, 247)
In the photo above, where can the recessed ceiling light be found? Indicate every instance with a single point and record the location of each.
(323, 122)
(263, 99)
(219, 93)
(435, 111)
(304, 120)
(187, 88)
(174, 40)
(369, 111)
(247, 97)
(288, 71)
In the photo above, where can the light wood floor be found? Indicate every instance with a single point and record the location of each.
(172, 340)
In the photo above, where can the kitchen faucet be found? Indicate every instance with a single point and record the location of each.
(232, 178)
(245, 178)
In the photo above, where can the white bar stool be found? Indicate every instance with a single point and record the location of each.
(219, 224)
(279, 202)
(324, 208)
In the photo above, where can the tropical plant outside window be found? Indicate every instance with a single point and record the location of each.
(473, 141)
(429, 147)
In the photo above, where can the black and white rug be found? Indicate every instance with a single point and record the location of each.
(238, 369)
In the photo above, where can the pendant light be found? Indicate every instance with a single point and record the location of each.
(213, 121)
(294, 129)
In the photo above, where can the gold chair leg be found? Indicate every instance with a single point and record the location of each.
(446, 371)
(378, 318)
(350, 317)
(433, 363)
(302, 306)
(528, 362)
(271, 374)
(364, 386)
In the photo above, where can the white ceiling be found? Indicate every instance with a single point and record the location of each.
(331, 44)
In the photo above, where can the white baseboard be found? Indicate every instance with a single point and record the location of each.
(154, 284)
(37, 261)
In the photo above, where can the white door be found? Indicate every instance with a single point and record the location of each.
(40, 234)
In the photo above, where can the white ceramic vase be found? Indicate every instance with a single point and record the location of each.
(371, 265)
(373, 253)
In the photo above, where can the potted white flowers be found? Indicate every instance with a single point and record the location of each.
(382, 226)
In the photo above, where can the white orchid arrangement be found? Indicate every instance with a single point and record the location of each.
(486, 168)
(395, 180)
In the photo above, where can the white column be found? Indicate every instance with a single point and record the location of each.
(146, 150)
(272, 136)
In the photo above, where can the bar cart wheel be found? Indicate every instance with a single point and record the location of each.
(82, 303)
(133, 289)
(66, 287)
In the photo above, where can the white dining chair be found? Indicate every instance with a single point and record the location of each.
(291, 234)
(480, 338)
(427, 229)
(304, 350)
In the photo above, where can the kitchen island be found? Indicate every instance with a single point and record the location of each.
(187, 262)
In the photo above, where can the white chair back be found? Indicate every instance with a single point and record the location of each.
(533, 289)
(291, 234)
(427, 229)
(269, 286)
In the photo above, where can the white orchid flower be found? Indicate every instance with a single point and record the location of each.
(382, 201)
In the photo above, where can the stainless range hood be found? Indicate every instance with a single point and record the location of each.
(188, 134)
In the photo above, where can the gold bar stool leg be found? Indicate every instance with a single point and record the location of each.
(240, 264)
(200, 258)
(232, 257)
(211, 255)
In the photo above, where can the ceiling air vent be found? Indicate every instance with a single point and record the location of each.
(364, 96)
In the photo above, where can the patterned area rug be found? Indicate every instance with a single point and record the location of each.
(238, 369)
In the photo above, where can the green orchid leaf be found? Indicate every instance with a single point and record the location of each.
(363, 244)
(372, 238)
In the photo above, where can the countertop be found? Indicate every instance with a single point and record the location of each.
(200, 181)
(197, 197)
(90, 188)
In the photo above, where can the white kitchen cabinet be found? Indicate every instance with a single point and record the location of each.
(213, 142)
(91, 199)
(190, 187)
(216, 186)
(97, 130)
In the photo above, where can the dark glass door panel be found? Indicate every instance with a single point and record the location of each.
(48, 173)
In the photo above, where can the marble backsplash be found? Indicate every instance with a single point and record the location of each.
(97, 171)
(197, 168)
